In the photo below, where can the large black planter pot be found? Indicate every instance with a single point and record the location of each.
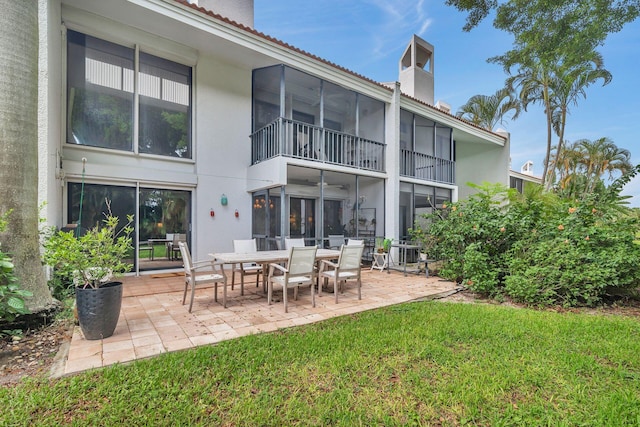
(99, 309)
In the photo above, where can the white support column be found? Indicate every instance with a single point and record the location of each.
(392, 160)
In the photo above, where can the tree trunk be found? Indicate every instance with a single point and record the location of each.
(19, 146)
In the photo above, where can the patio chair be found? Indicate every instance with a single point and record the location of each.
(247, 268)
(299, 271)
(347, 268)
(355, 242)
(293, 243)
(175, 249)
(145, 246)
(336, 241)
(191, 279)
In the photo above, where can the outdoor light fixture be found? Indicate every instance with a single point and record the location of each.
(223, 200)
(212, 213)
(237, 214)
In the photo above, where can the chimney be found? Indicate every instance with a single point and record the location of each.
(527, 168)
(416, 70)
(441, 105)
(240, 11)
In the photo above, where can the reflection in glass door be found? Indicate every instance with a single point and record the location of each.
(302, 218)
(163, 217)
(333, 218)
(98, 201)
(266, 220)
(164, 221)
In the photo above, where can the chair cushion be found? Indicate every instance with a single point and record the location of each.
(205, 277)
(292, 279)
(343, 274)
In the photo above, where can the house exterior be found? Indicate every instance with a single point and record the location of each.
(520, 180)
(202, 126)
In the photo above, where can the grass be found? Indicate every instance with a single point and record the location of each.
(424, 363)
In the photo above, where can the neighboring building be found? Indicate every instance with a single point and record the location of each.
(201, 125)
(519, 180)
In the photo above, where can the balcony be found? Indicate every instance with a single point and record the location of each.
(430, 168)
(290, 138)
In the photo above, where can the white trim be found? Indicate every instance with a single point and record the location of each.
(275, 52)
(525, 177)
(428, 183)
(136, 99)
(115, 32)
(127, 153)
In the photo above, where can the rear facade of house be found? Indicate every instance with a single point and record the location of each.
(203, 127)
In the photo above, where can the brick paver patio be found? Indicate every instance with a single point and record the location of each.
(154, 321)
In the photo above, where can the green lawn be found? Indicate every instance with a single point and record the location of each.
(428, 363)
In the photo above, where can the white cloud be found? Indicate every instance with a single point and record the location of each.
(425, 26)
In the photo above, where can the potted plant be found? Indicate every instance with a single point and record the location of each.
(91, 261)
(379, 242)
(387, 245)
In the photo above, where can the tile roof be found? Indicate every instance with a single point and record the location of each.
(279, 42)
(317, 58)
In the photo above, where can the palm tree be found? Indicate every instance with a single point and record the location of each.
(488, 110)
(570, 84)
(534, 81)
(603, 156)
(19, 146)
(581, 165)
(556, 86)
(566, 166)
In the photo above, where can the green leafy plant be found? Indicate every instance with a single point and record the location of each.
(386, 244)
(93, 258)
(539, 248)
(11, 295)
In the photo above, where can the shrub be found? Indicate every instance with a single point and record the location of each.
(537, 248)
(94, 257)
(11, 296)
(479, 273)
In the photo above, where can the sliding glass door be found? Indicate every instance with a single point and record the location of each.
(163, 218)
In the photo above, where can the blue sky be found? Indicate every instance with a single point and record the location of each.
(369, 36)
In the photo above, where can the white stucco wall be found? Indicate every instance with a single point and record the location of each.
(49, 93)
(223, 126)
(480, 162)
(221, 129)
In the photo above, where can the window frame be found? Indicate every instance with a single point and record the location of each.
(136, 101)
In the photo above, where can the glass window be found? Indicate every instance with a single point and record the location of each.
(406, 130)
(266, 96)
(443, 143)
(94, 203)
(99, 93)
(164, 221)
(339, 108)
(302, 94)
(516, 183)
(100, 99)
(302, 217)
(88, 206)
(370, 118)
(424, 136)
(165, 107)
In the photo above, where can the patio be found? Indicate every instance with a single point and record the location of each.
(154, 321)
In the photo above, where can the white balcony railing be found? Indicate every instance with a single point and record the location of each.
(430, 168)
(284, 137)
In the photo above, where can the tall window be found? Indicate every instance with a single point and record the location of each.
(101, 94)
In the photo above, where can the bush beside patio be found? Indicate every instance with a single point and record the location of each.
(537, 248)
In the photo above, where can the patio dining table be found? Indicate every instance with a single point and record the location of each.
(264, 258)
